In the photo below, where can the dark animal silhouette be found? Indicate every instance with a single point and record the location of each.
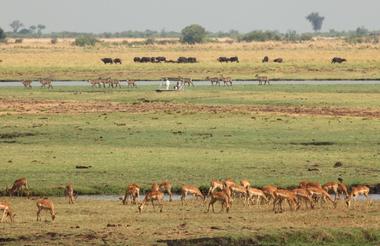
(222, 59)
(265, 59)
(137, 59)
(234, 59)
(117, 61)
(107, 60)
(278, 60)
(338, 60)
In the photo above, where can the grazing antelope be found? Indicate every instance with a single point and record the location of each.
(263, 80)
(46, 82)
(307, 184)
(27, 83)
(7, 211)
(189, 189)
(342, 189)
(227, 81)
(245, 183)
(240, 191)
(215, 184)
(269, 191)
(187, 81)
(222, 197)
(152, 196)
(45, 204)
(303, 195)
(357, 191)
(131, 83)
(255, 196)
(213, 80)
(320, 194)
(166, 186)
(133, 191)
(107, 81)
(70, 193)
(95, 82)
(282, 195)
(18, 186)
(115, 83)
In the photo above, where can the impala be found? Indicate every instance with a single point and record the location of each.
(262, 79)
(70, 193)
(357, 191)
(18, 186)
(27, 83)
(46, 82)
(95, 82)
(303, 195)
(239, 191)
(245, 183)
(133, 191)
(227, 81)
(282, 195)
(214, 80)
(152, 196)
(215, 184)
(307, 184)
(187, 81)
(131, 83)
(320, 194)
(336, 188)
(222, 197)
(269, 191)
(189, 189)
(255, 196)
(7, 212)
(45, 204)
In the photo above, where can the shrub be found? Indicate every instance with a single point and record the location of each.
(2, 35)
(85, 41)
(193, 34)
(261, 36)
(54, 40)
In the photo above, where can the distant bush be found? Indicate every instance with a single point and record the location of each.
(54, 40)
(85, 41)
(149, 41)
(260, 36)
(193, 34)
(18, 40)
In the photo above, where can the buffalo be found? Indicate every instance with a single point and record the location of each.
(338, 60)
(161, 59)
(222, 59)
(182, 60)
(234, 59)
(278, 60)
(191, 60)
(117, 61)
(107, 60)
(265, 59)
(137, 59)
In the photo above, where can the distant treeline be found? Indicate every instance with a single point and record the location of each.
(361, 34)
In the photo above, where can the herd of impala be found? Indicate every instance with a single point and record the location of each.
(223, 191)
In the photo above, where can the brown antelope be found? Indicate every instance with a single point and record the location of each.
(46, 82)
(342, 189)
(187, 81)
(215, 184)
(166, 186)
(70, 193)
(214, 80)
(115, 83)
(269, 191)
(307, 184)
(320, 194)
(357, 191)
(282, 195)
(222, 197)
(131, 83)
(133, 191)
(27, 83)
(18, 186)
(239, 191)
(95, 82)
(107, 81)
(255, 196)
(263, 80)
(303, 195)
(227, 81)
(245, 183)
(336, 188)
(152, 196)
(189, 189)
(45, 204)
(7, 211)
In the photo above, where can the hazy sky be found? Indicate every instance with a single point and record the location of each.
(214, 15)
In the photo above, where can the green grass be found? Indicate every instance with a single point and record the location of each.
(190, 147)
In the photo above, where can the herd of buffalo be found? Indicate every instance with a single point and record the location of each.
(182, 59)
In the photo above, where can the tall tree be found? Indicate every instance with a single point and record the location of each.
(33, 28)
(16, 25)
(40, 27)
(193, 34)
(316, 20)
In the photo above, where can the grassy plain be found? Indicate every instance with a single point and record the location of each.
(308, 60)
(111, 223)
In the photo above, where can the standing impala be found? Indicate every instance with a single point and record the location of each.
(7, 212)
(69, 192)
(222, 197)
(269, 191)
(133, 191)
(245, 183)
(18, 186)
(215, 184)
(255, 196)
(357, 191)
(282, 195)
(45, 204)
(320, 194)
(303, 195)
(152, 196)
(189, 189)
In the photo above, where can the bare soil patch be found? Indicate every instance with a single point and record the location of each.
(9, 106)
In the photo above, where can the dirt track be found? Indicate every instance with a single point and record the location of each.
(8, 106)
